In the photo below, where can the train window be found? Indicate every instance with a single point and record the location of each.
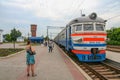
(78, 27)
(73, 29)
(88, 27)
(99, 27)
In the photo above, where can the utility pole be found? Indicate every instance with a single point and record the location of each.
(47, 35)
(81, 12)
(53, 27)
(28, 35)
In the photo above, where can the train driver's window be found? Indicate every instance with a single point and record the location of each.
(88, 27)
(73, 29)
(99, 27)
(78, 27)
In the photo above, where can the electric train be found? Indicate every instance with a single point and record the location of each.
(85, 37)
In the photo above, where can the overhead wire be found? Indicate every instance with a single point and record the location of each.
(113, 11)
(78, 8)
(113, 17)
(103, 9)
(73, 5)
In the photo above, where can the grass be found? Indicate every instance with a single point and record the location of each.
(7, 51)
(33, 44)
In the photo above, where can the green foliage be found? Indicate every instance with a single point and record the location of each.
(8, 51)
(7, 37)
(46, 38)
(113, 42)
(114, 36)
(15, 34)
(25, 39)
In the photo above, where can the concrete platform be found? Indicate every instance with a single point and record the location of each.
(115, 56)
(49, 66)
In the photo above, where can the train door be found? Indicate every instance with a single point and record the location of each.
(70, 44)
(68, 38)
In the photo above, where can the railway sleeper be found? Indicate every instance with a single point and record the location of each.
(96, 68)
(115, 79)
(104, 70)
(93, 76)
(107, 73)
(96, 65)
(90, 73)
(113, 76)
(112, 68)
(97, 79)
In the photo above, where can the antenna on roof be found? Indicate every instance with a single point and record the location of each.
(82, 15)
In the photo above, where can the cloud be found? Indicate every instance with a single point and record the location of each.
(55, 12)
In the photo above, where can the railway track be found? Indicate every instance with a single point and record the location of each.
(97, 71)
(101, 71)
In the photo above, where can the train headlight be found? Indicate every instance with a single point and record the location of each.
(78, 40)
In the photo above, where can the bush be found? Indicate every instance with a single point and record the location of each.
(113, 43)
(6, 52)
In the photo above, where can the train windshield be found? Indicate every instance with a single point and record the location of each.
(78, 27)
(88, 27)
(99, 27)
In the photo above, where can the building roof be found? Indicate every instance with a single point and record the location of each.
(1, 30)
(35, 37)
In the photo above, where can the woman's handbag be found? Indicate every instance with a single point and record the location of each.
(31, 52)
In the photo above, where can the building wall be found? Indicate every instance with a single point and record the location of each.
(1, 36)
(20, 39)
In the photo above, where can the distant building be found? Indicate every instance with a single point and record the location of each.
(20, 39)
(36, 39)
(1, 36)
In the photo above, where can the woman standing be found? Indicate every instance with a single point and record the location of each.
(30, 60)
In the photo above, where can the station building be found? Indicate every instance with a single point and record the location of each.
(33, 37)
(36, 39)
(1, 36)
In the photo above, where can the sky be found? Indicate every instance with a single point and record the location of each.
(20, 14)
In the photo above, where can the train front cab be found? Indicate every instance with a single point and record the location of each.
(89, 46)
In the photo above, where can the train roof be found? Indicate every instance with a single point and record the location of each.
(84, 19)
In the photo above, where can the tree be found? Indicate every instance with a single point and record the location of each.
(7, 37)
(46, 38)
(15, 34)
(114, 36)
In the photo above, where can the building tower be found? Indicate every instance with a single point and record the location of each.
(33, 29)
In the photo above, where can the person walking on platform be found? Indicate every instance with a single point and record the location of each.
(45, 43)
(50, 46)
(30, 60)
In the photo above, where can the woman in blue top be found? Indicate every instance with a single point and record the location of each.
(30, 60)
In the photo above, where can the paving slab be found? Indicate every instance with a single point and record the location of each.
(115, 56)
(48, 66)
